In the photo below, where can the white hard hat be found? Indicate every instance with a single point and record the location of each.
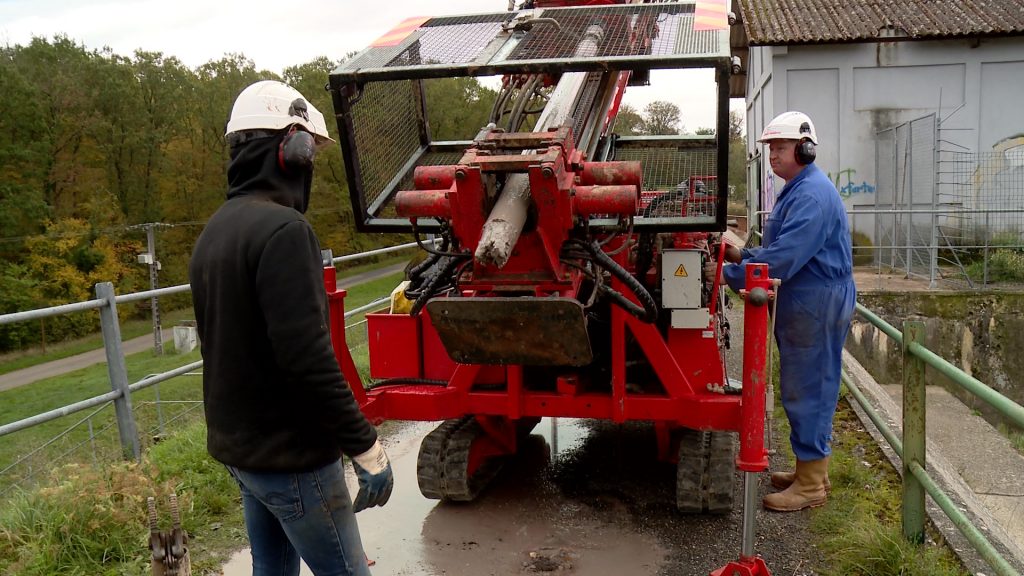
(789, 126)
(273, 105)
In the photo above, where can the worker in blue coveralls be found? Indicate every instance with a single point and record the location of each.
(807, 246)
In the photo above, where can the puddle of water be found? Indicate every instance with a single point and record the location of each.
(240, 564)
(391, 534)
(521, 520)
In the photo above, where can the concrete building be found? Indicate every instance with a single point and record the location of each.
(861, 69)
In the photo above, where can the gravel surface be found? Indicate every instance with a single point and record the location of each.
(615, 472)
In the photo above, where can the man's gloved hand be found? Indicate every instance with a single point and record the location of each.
(373, 469)
(732, 253)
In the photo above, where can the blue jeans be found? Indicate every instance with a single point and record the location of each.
(307, 515)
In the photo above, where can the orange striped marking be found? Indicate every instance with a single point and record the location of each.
(395, 36)
(711, 15)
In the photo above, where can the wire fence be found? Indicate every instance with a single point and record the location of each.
(130, 417)
(950, 216)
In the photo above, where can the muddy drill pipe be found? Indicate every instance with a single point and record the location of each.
(505, 222)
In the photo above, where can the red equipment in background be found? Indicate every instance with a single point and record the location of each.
(569, 277)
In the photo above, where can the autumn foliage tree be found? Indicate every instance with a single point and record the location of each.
(97, 143)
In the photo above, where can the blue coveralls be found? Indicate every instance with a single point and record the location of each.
(807, 246)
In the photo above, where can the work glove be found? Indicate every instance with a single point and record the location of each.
(373, 469)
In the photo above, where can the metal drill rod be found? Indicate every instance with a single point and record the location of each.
(505, 222)
(749, 514)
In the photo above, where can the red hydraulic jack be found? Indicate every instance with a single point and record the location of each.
(753, 457)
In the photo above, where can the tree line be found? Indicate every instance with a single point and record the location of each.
(98, 144)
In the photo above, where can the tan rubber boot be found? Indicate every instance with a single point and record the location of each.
(782, 480)
(806, 491)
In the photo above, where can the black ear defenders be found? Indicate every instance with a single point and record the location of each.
(298, 147)
(297, 151)
(805, 149)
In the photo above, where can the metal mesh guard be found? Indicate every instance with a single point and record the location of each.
(679, 173)
(680, 178)
(665, 30)
(383, 96)
(634, 32)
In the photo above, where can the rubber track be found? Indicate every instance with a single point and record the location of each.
(706, 472)
(430, 462)
(443, 462)
(458, 485)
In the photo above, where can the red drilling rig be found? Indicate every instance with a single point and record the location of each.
(565, 278)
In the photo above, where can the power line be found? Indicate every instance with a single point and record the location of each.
(130, 227)
(142, 226)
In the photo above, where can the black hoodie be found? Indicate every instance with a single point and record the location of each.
(275, 398)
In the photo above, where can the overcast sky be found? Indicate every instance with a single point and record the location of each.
(280, 33)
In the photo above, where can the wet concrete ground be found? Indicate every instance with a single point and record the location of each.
(582, 497)
(521, 524)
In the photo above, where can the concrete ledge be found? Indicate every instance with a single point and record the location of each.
(945, 474)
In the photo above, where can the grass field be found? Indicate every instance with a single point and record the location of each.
(70, 504)
(178, 396)
(859, 530)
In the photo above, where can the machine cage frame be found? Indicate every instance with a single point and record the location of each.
(381, 108)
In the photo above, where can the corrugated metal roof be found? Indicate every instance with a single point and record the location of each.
(778, 22)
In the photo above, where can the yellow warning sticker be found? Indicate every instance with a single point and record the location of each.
(681, 272)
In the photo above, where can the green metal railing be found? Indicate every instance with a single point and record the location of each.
(911, 449)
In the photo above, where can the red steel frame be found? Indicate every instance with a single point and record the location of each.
(500, 412)
(686, 361)
(683, 404)
(563, 187)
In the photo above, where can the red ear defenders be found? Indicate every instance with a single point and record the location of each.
(297, 150)
(805, 150)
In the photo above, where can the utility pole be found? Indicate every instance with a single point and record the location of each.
(149, 258)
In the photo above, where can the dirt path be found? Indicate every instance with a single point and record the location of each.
(363, 277)
(583, 497)
(76, 362)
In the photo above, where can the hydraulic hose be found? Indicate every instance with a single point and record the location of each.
(429, 261)
(432, 284)
(649, 311)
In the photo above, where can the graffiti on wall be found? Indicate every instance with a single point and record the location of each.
(844, 180)
(848, 186)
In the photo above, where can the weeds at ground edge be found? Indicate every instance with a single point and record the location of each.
(89, 520)
(860, 528)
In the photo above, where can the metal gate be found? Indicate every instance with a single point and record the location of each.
(907, 235)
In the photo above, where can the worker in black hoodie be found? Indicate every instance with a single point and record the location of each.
(279, 412)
